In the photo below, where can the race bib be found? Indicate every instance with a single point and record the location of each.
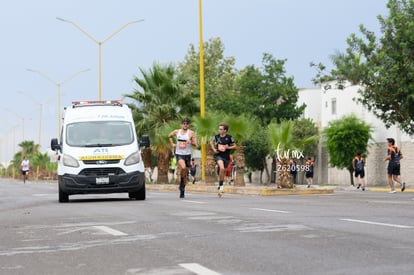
(221, 147)
(182, 144)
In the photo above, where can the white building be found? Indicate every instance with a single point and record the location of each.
(325, 105)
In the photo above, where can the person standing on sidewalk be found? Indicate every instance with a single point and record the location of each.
(358, 163)
(394, 156)
(309, 164)
(184, 139)
(222, 144)
(293, 171)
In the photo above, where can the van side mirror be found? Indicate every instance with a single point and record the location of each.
(54, 144)
(144, 141)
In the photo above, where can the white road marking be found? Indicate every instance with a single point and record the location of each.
(199, 202)
(110, 230)
(266, 227)
(70, 231)
(80, 224)
(199, 269)
(391, 202)
(378, 223)
(75, 246)
(270, 210)
(208, 218)
(12, 267)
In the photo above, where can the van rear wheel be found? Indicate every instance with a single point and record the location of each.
(140, 195)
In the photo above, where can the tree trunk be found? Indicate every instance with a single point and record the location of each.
(163, 163)
(146, 157)
(266, 169)
(284, 178)
(273, 171)
(261, 177)
(239, 181)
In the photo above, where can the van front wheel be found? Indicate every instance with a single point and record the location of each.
(63, 197)
(140, 195)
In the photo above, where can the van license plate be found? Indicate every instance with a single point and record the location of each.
(102, 180)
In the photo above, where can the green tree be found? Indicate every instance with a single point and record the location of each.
(219, 74)
(39, 162)
(256, 149)
(28, 148)
(267, 93)
(383, 66)
(302, 129)
(343, 138)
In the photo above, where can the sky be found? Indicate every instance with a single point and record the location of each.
(37, 49)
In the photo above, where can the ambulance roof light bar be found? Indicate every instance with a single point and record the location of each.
(117, 102)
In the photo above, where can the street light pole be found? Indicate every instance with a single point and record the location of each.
(99, 43)
(58, 84)
(203, 146)
(40, 114)
(19, 116)
(14, 136)
(1, 150)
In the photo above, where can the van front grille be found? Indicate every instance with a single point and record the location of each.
(102, 171)
(93, 162)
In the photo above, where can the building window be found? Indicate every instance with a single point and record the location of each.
(333, 106)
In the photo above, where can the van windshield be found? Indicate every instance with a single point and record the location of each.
(102, 133)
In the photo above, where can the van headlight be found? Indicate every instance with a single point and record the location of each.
(70, 161)
(132, 159)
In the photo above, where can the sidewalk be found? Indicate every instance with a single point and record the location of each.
(260, 190)
(244, 190)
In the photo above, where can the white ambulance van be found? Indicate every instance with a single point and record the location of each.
(99, 151)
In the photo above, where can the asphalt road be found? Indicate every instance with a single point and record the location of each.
(347, 232)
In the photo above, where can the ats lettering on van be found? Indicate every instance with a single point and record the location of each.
(101, 154)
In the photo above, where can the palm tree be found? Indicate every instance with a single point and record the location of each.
(39, 161)
(160, 98)
(205, 130)
(281, 137)
(28, 148)
(159, 101)
(164, 151)
(240, 127)
(284, 144)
